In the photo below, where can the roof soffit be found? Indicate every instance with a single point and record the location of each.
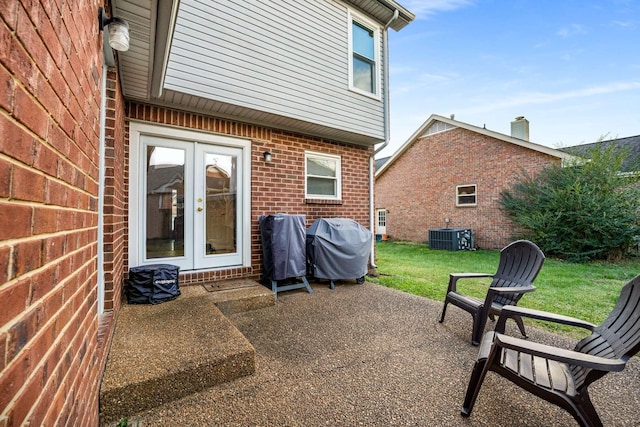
(143, 67)
(383, 11)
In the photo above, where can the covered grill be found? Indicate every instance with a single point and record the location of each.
(338, 248)
(283, 251)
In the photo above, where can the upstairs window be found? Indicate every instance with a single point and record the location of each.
(323, 176)
(363, 61)
(466, 195)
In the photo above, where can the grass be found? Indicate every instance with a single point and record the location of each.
(586, 291)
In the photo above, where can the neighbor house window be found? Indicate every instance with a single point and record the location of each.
(466, 195)
(364, 56)
(322, 172)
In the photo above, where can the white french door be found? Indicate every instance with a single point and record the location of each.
(189, 202)
(217, 229)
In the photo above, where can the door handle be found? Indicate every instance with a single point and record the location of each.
(199, 208)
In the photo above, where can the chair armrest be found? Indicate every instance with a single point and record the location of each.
(514, 290)
(513, 311)
(558, 354)
(453, 278)
(495, 291)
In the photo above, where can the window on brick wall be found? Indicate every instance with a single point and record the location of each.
(466, 195)
(322, 176)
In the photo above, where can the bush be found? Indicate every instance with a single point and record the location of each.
(585, 210)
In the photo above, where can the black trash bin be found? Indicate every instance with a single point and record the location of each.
(338, 248)
(153, 284)
(283, 252)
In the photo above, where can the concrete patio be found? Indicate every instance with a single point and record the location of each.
(356, 355)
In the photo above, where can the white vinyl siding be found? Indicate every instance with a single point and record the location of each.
(287, 58)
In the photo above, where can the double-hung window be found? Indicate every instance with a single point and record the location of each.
(323, 176)
(466, 195)
(364, 55)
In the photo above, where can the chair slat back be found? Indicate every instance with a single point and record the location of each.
(618, 337)
(520, 263)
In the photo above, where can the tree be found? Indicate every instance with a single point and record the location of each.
(585, 209)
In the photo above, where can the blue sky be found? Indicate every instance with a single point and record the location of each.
(572, 68)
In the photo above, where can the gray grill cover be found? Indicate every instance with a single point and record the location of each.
(338, 248)
(283, 246)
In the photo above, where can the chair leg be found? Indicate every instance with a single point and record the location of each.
(444, 310)
(585, 412)
(479, 322)
(475, 383)
(520, 324)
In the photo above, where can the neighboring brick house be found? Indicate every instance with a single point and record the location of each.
(206, 89)
(449, 174)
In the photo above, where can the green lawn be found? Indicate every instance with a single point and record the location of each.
(585, 291)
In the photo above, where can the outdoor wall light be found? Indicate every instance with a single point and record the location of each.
(267, 156)
(117, 28)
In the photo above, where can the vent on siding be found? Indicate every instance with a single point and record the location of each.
(436, 127)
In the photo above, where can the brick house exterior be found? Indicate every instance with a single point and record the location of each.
(65, 179)
(50, 355)
(417, 185)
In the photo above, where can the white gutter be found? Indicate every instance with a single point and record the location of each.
(385, 83)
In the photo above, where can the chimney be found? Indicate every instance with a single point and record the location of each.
(520, 128)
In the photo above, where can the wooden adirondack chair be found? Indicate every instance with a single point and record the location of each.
(519, 265)
(557, 375)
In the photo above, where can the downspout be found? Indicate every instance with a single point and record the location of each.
(101, 181)
(385, 82)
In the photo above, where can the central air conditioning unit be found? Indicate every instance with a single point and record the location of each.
(451, 239)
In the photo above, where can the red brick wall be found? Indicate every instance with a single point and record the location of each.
(419, 188)
(50, 70)
(115, 193)
(277, 186)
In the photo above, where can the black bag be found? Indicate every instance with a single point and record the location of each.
(153, 284)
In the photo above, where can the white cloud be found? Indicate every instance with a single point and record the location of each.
(547, 98)
(424, 8)
(571, 30)
(624, 24)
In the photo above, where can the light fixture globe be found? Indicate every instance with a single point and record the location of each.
(119, 34)
(118, 30)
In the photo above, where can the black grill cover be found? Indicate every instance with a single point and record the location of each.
(283, 246)
(338, 248)
(153, 284)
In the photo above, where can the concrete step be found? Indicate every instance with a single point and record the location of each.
(165, 352)
(235, 296)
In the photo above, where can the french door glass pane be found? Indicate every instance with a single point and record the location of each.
(221, 203)
(165, 202)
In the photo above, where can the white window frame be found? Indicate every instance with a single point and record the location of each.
(474, 194)
(371, 25)
(338, 177)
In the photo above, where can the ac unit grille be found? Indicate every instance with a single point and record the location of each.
(451, 239)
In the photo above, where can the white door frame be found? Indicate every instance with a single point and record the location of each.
(136, 181)
(381, 229)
